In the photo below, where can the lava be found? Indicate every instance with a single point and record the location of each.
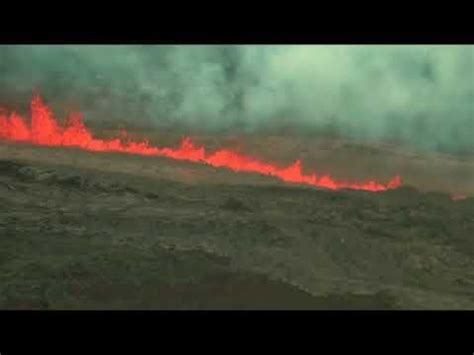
(458, 197)
(45, 130)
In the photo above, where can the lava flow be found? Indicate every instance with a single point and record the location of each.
(45, 130)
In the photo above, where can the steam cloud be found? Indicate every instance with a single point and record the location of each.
(420, 95)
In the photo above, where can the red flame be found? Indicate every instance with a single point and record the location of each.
(45, 130)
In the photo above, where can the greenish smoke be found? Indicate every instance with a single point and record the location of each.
(422, 95)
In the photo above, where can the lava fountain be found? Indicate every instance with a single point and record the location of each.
(43, 129)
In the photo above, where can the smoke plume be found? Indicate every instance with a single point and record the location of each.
(420, 95)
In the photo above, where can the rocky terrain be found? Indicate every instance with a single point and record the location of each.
(83, 230)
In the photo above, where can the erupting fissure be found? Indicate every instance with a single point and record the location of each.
(45, 130)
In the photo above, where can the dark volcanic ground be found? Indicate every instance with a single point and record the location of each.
(83, 231)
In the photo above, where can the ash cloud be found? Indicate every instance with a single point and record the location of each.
(420, 95)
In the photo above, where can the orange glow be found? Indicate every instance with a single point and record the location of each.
(45, 130)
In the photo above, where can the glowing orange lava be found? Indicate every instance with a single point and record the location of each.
(45, 130)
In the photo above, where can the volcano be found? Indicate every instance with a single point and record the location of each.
(139, 228)
(44, 129)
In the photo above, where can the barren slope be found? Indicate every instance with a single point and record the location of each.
(87, 230)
